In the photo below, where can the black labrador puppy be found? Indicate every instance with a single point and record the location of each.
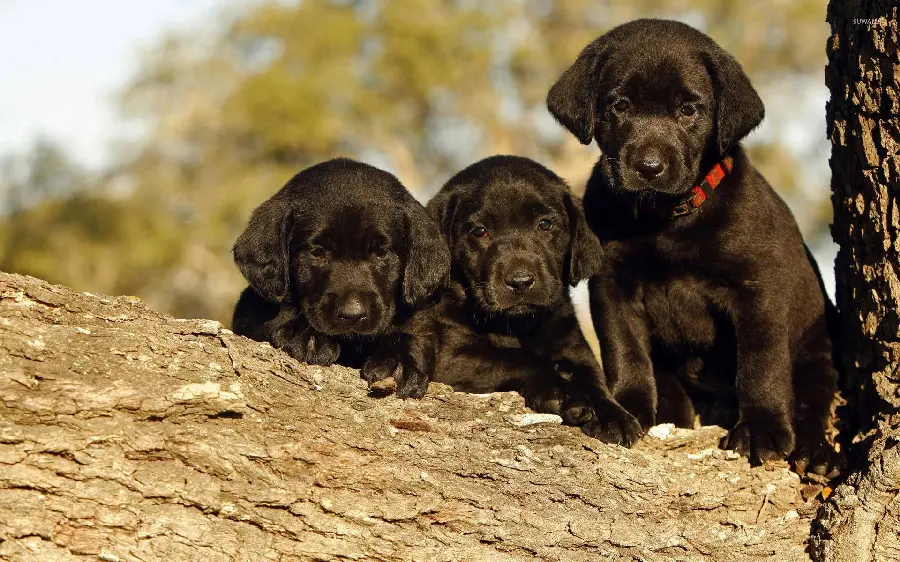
(518, 239)
(336, 260)
(708, 286)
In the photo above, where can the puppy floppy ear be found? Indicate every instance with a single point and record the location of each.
(739, 109)
(428, 259)
(585, 253)
(262, 251)
(572, 100)
(442, 209)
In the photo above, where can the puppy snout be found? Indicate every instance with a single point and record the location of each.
(519, 280)
(649, 163)
(353, 308)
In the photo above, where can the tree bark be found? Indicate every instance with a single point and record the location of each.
(129, 435)
(861, 521)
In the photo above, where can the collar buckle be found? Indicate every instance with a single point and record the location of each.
(681, 210)
(706, 188)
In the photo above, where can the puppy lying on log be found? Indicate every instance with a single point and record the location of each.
(336, 260)
(518, 239)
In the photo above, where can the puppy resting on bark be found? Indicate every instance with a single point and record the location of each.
(336, 260)
(518, 239)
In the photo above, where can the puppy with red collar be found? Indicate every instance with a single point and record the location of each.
(709, 302)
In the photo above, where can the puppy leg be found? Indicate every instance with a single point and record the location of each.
(477, 366)
(405, 358)
(291, 332)
(674, 404)
(815, 386)
(764, 430)
(625, 348)
(578, 394)
(284, 327)
(252, 313)
(381, 365)
(589, 404)
(587, 400)
(714, 406)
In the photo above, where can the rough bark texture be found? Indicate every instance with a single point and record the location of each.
(861, 521)
(129, 435)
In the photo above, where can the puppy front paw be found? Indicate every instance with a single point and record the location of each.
(818, 458)
(762, 436)
(412, 383)
(550, 399)
(604, 419)
(641, 404)
(378, 368)
(386, 375)
(814, 453)
(613, 424)
(312, 348)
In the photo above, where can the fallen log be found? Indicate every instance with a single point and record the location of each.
(128, 435)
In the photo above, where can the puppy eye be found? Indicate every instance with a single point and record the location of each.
(545, 224)
(380, 252)
(478, 232)
(688, 110)
(317, 252)
(621, 105)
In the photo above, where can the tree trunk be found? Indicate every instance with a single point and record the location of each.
(129, 435)
(861, 521)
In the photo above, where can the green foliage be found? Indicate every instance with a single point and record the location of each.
(422, 86)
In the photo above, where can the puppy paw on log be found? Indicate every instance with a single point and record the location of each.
(336, 260)
(761, 436)
(390, 370)
(707, 284)
(597, 413)
(306, 345)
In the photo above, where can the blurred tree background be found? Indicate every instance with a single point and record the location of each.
(226, 113)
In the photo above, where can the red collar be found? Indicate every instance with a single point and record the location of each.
(703, 191)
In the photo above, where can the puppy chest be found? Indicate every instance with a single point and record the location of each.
(684, 312)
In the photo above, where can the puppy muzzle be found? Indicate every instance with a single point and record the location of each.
(651, 166)
(350, 312)
(519, 282)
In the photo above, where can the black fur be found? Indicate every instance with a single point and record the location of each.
(518, 239)
(335, 260)
(721, 312)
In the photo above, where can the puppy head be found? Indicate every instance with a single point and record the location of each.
(663, 101)
(346, 244)
(517, 236)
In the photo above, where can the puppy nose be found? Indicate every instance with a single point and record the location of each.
(649, 165)
(352, 309)
(519, 281)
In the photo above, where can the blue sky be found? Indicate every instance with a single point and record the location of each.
(62, 62)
